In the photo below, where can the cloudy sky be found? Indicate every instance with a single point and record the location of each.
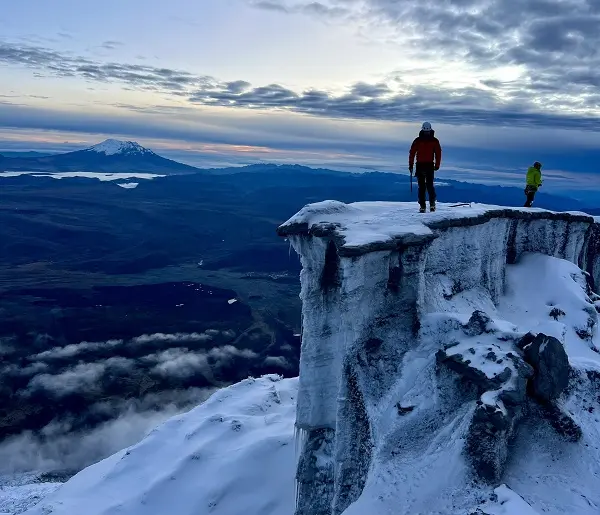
(338, 82)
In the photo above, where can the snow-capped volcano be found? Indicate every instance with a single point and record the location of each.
(110, 156)
(111, 147)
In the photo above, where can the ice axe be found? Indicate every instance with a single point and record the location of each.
(411, 176)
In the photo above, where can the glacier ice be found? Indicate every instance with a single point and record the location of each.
(384, 289)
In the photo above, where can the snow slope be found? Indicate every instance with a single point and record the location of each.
(549, 296)
(233, 455)
(506, 502)
(546, 473)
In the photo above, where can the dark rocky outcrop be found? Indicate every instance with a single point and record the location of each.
(489, 436)
(500, 375)
(537, 369)
(551, 364)
(562, 422)
(478, 324)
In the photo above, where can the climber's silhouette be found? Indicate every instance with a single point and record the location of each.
(428, 151)
(534, 182)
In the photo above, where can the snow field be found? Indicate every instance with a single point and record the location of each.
(233, 455)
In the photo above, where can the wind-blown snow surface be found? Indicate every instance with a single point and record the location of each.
(383, 289)
(233, 455)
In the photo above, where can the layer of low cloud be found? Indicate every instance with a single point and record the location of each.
(77, 349)
(58, 448)
(91, 399)
(170, 357)
(73, 350)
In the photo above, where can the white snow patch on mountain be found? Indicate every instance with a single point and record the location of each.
(111, 147)
(548, 295)
(129, 185)
(232, 455)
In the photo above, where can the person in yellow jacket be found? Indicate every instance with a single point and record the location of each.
(534, 181)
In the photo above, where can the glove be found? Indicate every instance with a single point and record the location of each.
(436, 168)
(410, 169)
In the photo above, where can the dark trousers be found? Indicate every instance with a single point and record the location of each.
(424, 174)
(530, 192)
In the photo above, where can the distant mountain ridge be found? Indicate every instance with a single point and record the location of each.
(112, 156)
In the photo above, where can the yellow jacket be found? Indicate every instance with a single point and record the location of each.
(534, 177)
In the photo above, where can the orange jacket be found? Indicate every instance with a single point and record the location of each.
(427, 149)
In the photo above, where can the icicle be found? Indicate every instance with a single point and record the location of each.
(300, 438)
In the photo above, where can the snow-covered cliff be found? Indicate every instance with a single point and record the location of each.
(421, 368)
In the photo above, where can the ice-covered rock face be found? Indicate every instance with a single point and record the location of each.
(383, 424)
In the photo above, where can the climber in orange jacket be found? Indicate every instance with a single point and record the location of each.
(428, 151)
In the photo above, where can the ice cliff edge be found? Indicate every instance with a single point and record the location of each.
(420, 355)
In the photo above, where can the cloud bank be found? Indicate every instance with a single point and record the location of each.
(552, 43)
(69, 406)
(568, 85)
(58, 448)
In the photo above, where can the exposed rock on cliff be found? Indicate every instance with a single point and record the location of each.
(549, 359)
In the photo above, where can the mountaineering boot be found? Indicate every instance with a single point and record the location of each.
(432, 206)
(422, 210)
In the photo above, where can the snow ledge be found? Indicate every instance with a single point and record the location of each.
(364, 227)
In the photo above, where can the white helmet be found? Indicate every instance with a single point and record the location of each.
(426, 127)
